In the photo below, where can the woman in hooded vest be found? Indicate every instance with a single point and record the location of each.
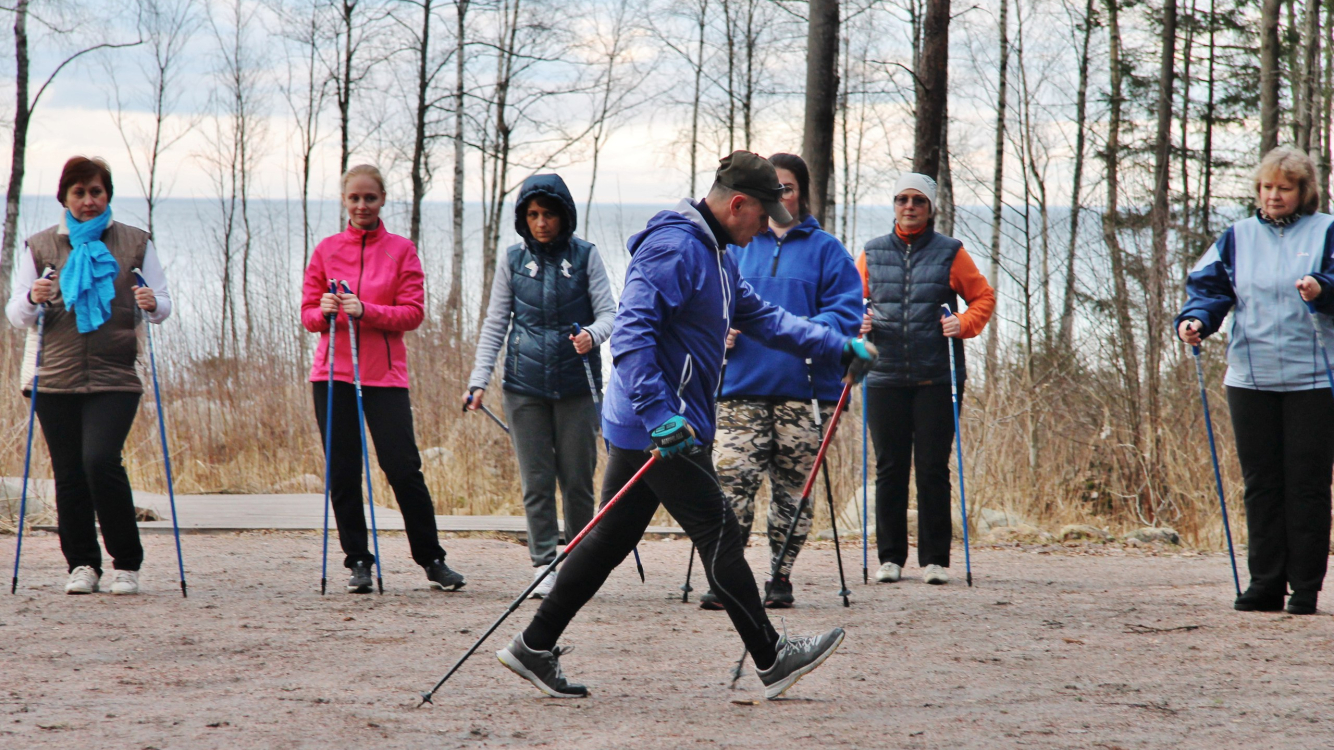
(909, 275)
(1274, 271)
(544, 287)
(381, 291)
(81, 271)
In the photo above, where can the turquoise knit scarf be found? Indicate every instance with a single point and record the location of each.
(88, 280)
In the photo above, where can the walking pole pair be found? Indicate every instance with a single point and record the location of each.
(352, 326)
(27, 455)
(514, 605)
(829, 494)
(945, 312)
(801, 504)
(162, 433)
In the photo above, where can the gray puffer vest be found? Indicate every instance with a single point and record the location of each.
(909, 284)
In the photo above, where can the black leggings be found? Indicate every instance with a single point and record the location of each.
(389, 422)
(906, 421)
(688, 487)
(85, 434)
(1285, 441)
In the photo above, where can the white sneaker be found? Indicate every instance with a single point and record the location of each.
(935, 575)
(889, 573)
(544, 588)
(82, 580)
(125, 582)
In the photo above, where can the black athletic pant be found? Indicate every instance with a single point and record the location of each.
(904, 421)
(85, 434)
(1285, 441)
(688, 487)
(389, 422)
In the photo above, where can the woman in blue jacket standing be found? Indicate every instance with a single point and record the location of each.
(1265, 269)
(543, 287)
(767, 425)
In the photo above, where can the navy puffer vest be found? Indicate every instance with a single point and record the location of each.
(550, 293)
(909, 283)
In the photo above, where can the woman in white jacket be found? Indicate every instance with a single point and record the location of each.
(1265, 269)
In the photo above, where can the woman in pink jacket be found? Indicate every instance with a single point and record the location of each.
(386, 300)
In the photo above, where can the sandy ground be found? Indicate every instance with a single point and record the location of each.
(1053, 648)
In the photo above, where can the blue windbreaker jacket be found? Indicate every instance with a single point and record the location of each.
(1253, 267)
(808, 273)
(681, 295)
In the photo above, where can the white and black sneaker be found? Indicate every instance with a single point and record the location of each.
(544, 588)
(361, 581)
(82, 580)
(542, 668)
(797, 657)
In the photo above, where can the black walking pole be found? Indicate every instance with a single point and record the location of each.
(801, 504)
(829, 494)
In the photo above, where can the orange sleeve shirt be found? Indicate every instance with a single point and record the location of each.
(967, 282)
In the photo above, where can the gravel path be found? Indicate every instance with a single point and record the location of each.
(1066, 648)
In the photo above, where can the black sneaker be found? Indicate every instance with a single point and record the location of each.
(361, 581)
(542, 668)
(1255, 600)
(797, 657)
(778, 593)
(710, 601)
(444, 579)
(1302, 602)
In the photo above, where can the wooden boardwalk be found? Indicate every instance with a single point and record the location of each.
(216, 514)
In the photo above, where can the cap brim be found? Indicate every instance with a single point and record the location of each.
(777, 213)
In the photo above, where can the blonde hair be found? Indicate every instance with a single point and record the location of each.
(363, 170)
(1297, 166)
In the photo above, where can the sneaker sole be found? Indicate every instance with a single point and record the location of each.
(368, 588)
(437, 586)
(938, 582)
(776, 690)
(779, 604)
(513, 664)
(79, 592)
(124, 593)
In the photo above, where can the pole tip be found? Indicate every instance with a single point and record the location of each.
(426, 698)
(380, 582)
(184, 593)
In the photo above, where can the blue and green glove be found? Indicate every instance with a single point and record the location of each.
(673, 438)
(858, 357)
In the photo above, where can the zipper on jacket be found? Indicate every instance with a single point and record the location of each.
(687, 370)
(778, 248)
(907, 299)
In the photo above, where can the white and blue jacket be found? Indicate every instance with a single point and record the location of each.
(1252, 270)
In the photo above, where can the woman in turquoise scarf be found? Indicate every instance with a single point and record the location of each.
(81, 272)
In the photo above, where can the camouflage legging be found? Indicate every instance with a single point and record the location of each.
(779, 439)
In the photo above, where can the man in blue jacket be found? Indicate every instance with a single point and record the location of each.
(682, 294)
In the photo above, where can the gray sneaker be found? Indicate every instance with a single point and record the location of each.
(444, 579)
(542, 668)
(361, 581)
(797, 657)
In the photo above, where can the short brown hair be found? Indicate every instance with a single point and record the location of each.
(1297, 166)
(83, 169)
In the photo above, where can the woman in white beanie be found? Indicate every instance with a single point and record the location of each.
(907, 276)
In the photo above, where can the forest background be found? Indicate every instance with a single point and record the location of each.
(1088, 151)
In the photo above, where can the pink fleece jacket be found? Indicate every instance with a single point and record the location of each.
(383, 270)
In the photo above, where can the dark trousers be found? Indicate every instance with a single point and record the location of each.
(389, 422)
(688, 487)
(85, 434)
(1285, 441)
(904, 421)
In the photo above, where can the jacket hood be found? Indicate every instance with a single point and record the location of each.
(550, 186)
(684, 217)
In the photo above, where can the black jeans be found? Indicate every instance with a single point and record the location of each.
(901, 421)
(389, 422)
(688, 487)
(85, 434)
(1285, 441)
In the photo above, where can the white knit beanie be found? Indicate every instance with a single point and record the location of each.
(919, 182)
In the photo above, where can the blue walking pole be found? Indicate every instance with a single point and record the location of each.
(1320, 339)
(27, 455)
(365, 451)
(162, 433)
(328, 443)
(1218, 476)
(958, 450)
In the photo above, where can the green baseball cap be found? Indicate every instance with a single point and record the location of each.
(755, 176)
